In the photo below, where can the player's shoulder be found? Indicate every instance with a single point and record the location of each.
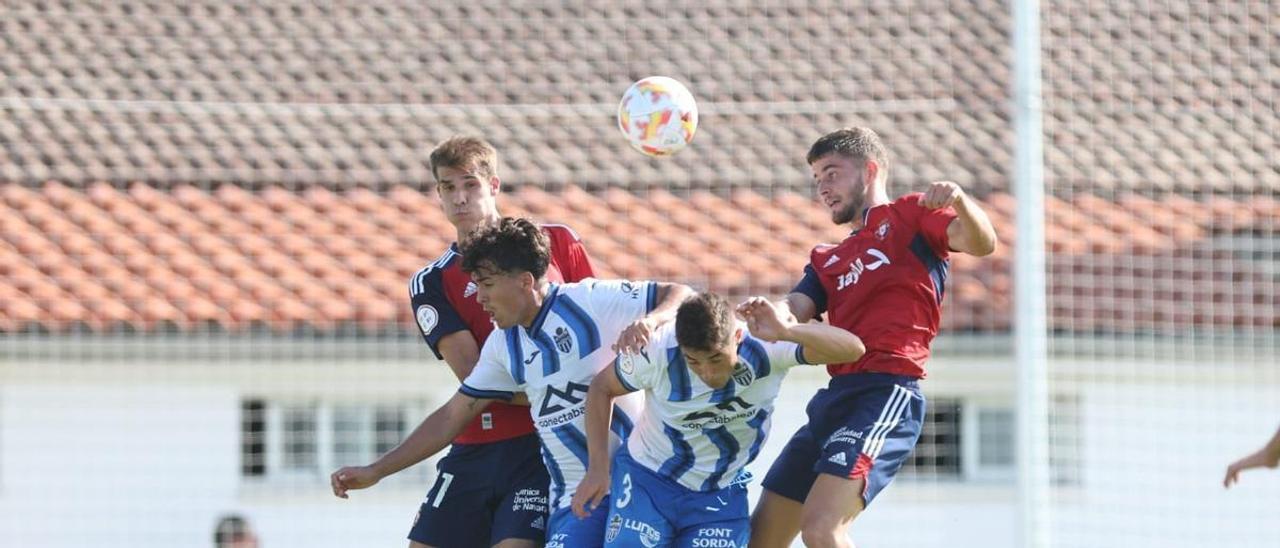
(821, 252)
(433, 273)
(908, 205)
(560, 232)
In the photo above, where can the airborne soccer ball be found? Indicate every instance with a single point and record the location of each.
(658, 116)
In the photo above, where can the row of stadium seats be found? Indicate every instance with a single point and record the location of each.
(346, 94)
(105, 258)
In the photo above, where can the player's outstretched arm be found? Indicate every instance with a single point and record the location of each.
(435, 433)
(604, 388)
(1268, 456)
(971, 232)
(822, 343)
(637, 335)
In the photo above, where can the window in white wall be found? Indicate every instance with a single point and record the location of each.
(307, 440)
(938, 453)
(995, 437)
(1065, 440)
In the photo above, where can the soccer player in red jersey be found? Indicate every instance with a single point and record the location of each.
(884, 283)
(491, 489)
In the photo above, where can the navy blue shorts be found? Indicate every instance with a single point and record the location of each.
(485, 493)
(862, 426)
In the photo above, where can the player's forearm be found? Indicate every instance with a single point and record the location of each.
(1272, 449)
(670, 297)
(433, 435)
(977, 232)
(599, 415)
(823, 343)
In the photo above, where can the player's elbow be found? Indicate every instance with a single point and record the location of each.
(857, 350)
(981, 246)
(987, 246)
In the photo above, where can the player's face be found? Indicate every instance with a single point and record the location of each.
(715, 366)
(468, 197)
(841, 186)
(507, 297)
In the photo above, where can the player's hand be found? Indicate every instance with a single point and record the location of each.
(352, 477)
(590, 493)
(764, 320)
(941, 194)
(1259, 459)
(635, 337)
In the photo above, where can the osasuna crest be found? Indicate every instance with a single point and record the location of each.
(564, 342)
(427, 318)
(615, 527)
(882, 231)
(743, 375)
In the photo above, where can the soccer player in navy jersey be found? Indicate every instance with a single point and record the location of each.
(493, 480)
(884, 283)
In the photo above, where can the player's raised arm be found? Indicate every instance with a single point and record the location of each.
(435, 433)
(1268, 456)
(820, 343)
(604, 388)
(971, 231)
(637, 335)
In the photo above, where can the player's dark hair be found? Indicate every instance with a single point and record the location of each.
(465, 152)
(230, 529)
(857, 143)
(511, 246)
(704, 322)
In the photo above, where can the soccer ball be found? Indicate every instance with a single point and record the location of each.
(658, 116)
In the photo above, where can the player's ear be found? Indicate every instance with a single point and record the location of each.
(527, 281)
(870, 171)
(737, 335)
(495, 185)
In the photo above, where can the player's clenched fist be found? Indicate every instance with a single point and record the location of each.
(352, 477)
(764, 321)
(635, 337)
(941, 194)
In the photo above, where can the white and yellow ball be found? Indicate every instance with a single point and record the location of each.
(658, 116)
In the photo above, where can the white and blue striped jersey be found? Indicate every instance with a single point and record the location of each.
(554, 361)
(690, 433)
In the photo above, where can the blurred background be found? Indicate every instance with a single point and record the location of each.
(210, 210)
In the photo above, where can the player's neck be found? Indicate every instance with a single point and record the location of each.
(535, 306)
(877, 199)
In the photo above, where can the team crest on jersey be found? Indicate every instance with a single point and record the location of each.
(427, 318)
(564, 342)
(615, 527)
(626, 362)
(469, 291)
(743, 375)
(882, 231)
